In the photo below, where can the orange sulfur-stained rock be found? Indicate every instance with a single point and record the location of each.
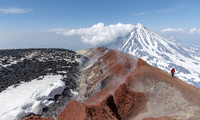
(105, 110)
(124, 104)
(73, 111)
(109, 72)
(128, 102)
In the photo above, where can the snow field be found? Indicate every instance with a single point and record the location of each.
(163, 53)
(30, 97)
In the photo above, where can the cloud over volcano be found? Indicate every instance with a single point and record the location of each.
(98, 33)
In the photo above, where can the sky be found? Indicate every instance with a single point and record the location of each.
(80, 24)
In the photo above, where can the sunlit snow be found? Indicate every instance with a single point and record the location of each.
(162, 53)
(29, 97)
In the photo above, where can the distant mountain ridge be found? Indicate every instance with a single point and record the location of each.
(162, 53)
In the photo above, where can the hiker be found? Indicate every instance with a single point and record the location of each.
(172, 71)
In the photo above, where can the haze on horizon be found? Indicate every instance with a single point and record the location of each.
(87, 23)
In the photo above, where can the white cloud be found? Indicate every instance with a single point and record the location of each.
(192, 31)
(14, 10)
(139, 14)
(98, 33)
(172, 30)
(179, 30)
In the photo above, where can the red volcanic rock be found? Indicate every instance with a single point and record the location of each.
(125, 103)
(111, 68)
(141, 63)
(105, 110)
(160, 118)
(73, 111)
(167, 96)
(37, 118)
(128, 102)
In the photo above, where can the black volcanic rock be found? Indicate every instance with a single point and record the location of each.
(18, 65)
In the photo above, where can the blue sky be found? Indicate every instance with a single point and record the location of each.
(76, 24)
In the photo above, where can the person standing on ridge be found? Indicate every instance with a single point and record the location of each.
(172, 71)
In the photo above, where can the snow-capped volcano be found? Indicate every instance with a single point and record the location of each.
(162, 53)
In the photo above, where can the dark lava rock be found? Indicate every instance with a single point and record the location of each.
(18, 65)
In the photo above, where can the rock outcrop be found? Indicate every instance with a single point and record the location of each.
(123, 104)
(106, 109)
(128, 102)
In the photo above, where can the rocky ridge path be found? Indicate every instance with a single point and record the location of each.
(119, 86)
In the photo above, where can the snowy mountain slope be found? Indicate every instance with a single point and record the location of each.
(192, 49)
(162, 53)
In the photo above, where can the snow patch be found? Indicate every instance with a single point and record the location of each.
(30, 97)
(74, 92)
